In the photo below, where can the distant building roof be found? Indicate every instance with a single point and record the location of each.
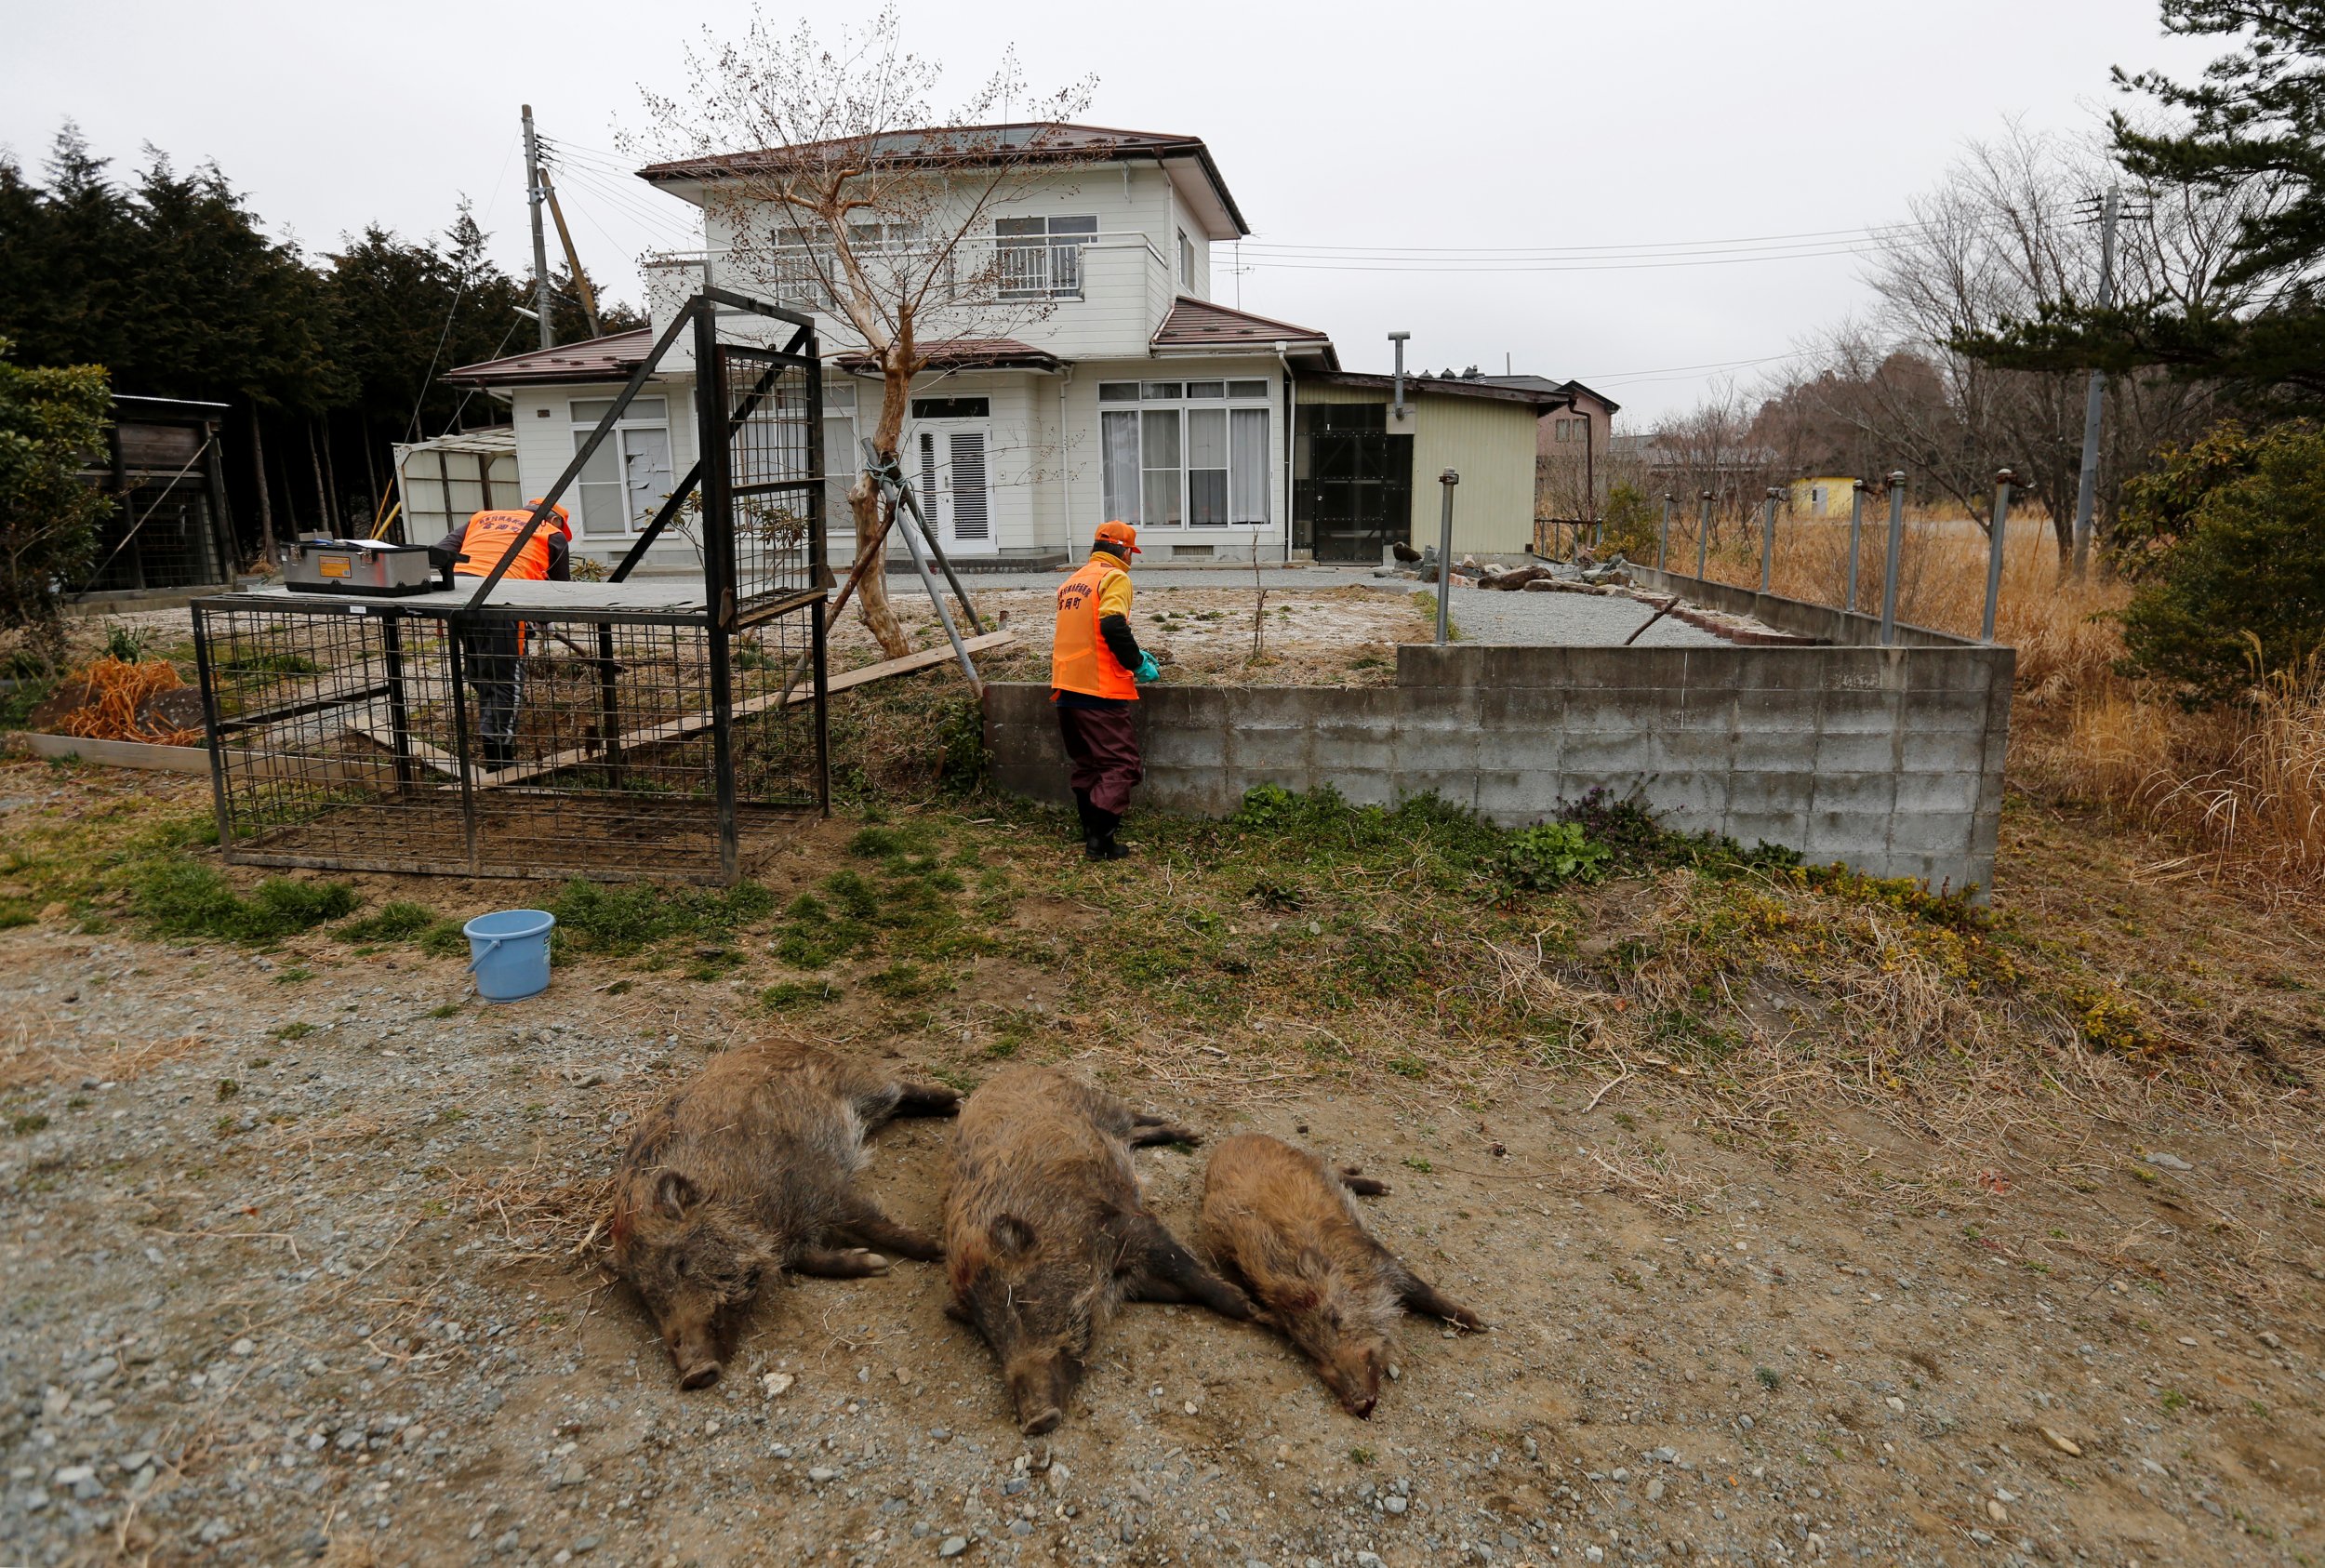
(1544, 383)
(611, 358)
(976, 146)
(1546, 396)
(1198, 324)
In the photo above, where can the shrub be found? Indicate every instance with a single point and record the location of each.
(2240, 581)
(180, 898)
(1631, 523)
(1549, 854)
(50, 420)
(396, 921)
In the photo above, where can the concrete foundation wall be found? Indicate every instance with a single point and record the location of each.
(1888, 759)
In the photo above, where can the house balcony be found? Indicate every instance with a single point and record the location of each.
(1097, 295)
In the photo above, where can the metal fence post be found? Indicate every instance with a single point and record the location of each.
(1768, 538)
(2003, 480)
(1445, 560)
(1896, 547)
(1703, 537)
(1663, 536)
(1857, 530)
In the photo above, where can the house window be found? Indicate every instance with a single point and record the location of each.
(1187, 456)
(1041, 258)
(628, 478)
(1186, 260)
(802, 266)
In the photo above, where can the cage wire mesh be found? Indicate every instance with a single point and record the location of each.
(594, 730)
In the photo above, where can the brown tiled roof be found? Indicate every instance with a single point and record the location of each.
(1198, 324)
(964, 146)
(1495, 389)
(610, 358)
(972, 353)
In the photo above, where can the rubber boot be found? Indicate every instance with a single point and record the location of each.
(1082, 810)
(1098, 843)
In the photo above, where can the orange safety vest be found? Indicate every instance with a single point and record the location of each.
(488, 537)
(1079, 658)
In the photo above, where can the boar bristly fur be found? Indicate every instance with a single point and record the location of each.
(1281, 1223)
(747, 1171)
(1045, 1231)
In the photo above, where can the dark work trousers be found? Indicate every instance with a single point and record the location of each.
(493, 652)
(1104, 749)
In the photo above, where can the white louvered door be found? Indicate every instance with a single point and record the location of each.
(955, 483)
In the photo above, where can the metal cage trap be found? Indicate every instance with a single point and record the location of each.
(665, 727)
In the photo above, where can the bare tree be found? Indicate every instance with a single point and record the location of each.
(830, 178)
(2008, 230)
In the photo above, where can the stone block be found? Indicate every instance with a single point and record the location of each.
(1771, 790)
(1938, 791)
(1516, 798)
(1503, 666)
(1843, 711)
(1540, 708)
(1458, 786)
(1941, 751)
(1855, 792)
(1689, 750)
(1700, 797)
(1949, 834)
(1867, 752)
(1766, 747)
(1860, 838)
(1623, 710)
(1612, 754)
(1749, 827)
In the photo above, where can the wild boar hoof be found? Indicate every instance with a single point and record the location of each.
(872, 1261)
(1046, 1421)
(700, 1377)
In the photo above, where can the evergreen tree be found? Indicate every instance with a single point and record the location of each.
(2254, 122)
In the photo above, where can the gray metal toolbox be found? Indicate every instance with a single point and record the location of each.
(366, 567)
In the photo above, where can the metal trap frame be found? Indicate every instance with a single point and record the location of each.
(667, 728)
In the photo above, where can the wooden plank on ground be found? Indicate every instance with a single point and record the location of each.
(693, 724)
(383, 736)
(121, 753)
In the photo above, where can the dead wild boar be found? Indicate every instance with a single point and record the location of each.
(1281, 1223)
(1044, 1230)
(751, 1169)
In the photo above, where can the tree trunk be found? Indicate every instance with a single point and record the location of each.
(871, 588)
(323, 494)
(266, 505)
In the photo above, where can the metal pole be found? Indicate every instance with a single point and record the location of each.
(1703, 537)
(1896, 547)
(1444, 561)
(1768, 538)
(1663, 536)
(871, 458)
(2002, 481)
(2087, 482)
(540, 240)
(920, 564)
(1856, 531)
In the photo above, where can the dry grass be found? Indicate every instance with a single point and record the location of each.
(32, 1055)
(2245, 787)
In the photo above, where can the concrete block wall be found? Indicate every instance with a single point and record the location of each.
(1888, 759)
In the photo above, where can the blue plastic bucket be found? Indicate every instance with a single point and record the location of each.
(509, 954)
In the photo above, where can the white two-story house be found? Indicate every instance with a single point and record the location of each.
(1099, 379)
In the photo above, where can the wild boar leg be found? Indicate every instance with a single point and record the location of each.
(1419, 1296)
(863, 1223)
(1355, 1180)
(832, 1264)
(925, 1099)
(1147, 1131)
(1161, 1269)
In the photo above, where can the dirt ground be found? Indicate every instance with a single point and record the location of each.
(288, 1241)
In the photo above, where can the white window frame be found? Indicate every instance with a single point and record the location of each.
(620, 439)
(1042, 262)
(1180, 396)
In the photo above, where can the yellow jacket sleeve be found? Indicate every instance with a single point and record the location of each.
(1115, 596)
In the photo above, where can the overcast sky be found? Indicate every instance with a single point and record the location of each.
(1617, 136)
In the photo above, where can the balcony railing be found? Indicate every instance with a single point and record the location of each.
(1009, 270)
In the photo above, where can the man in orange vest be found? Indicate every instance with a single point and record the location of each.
(1094, 668)
(495, 650)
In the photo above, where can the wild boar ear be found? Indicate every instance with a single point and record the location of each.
(674, 1195)
(1311, 1264)
(1012, 1236)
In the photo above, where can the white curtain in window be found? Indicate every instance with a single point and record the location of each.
(1120, 464)
(1161, 457)
(1206, 468)
(1249, 484)
(600, 488)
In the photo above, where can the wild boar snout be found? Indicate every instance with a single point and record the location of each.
(1039, 1385)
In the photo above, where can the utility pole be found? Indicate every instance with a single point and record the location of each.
(2087, 482)
(573, 256)
(533, 197)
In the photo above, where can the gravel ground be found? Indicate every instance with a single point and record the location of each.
(261, 1305)
(1523, 619)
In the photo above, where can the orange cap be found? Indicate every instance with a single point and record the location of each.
(1122, 534)
(565, 520)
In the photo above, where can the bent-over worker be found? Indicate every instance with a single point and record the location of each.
(1095, 666)
(495, 650)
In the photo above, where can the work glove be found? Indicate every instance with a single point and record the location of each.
(1147, 670)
